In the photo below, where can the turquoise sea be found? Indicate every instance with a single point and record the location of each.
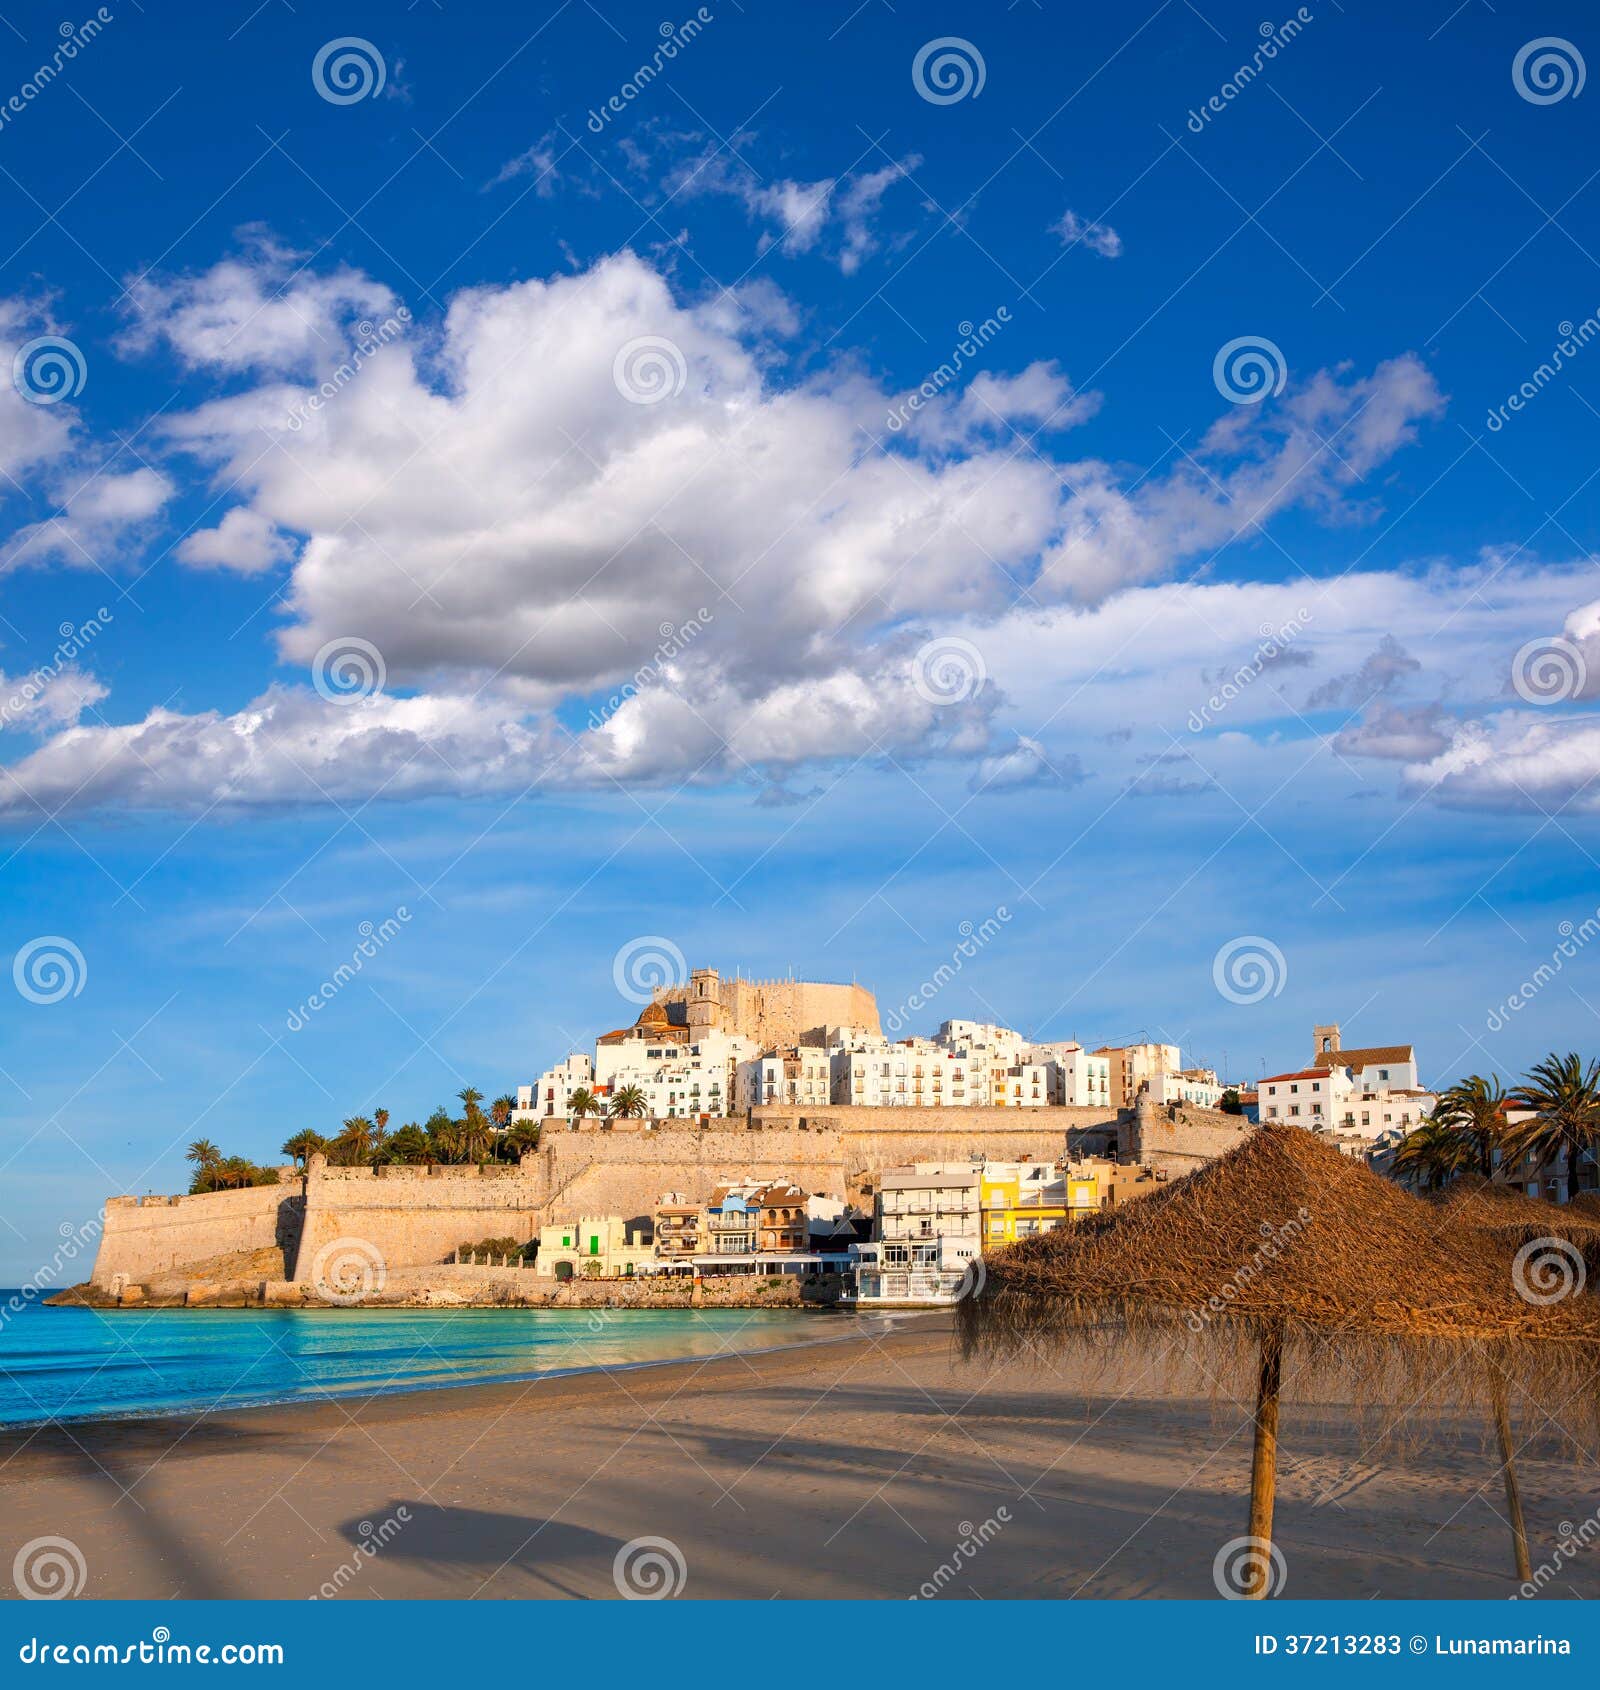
(74, 1364)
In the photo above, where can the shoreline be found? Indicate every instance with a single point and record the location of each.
(363, 1393)
(857, 1468)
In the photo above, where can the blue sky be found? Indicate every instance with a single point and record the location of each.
(707, 610)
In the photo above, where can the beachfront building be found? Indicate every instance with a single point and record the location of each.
(928, 1226)
(1197, 1087)
(595, 1247)
(782, 1222)
(1134, 1065)
(677, 1227)
(732, 1220)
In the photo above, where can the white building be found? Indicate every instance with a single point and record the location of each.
(1308, 1097)
(928, 1226)
(551, 1096)
(798, 1074)
(1197, 1087)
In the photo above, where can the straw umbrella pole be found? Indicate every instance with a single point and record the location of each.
(1502, 1431)
(1264, 1461)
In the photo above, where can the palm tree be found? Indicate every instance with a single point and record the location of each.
(204, 1154)
(628, 1101)
(1566, 1096)
(410, 1144)
(301, 1145)
(476, 1136)
(380, 1119)
(522, 1136)
(500, 1111)
(583, 1102)
(354, 1145)
(470, 1098)
(1430, 1155)
(1473, 1109)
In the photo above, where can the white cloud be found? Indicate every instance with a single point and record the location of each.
(1025, 764)
(1512, 762)
(260, 312)
(487, 504)
(799, 214)
(244, 541)
(48, 699)
(1078, 231)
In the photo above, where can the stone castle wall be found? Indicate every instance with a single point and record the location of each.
(148, 1235)
(781, 1012)
(415, 1217)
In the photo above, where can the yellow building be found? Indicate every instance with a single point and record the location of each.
(595, 1247)
(1019, 1199)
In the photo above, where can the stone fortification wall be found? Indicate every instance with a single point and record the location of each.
(150, 1235)
(415, 1217)
(1177, 1140)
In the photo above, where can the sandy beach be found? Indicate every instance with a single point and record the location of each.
(851, 1468)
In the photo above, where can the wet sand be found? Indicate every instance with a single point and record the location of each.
(878, 1466)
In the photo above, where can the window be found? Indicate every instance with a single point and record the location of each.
(1383, 1073)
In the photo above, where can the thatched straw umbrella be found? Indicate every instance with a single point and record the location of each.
(1556, 1251)
(1284, 1244)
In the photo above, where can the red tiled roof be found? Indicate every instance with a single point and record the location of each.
(1300, 1074)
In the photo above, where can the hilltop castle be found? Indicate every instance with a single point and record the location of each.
(767, 1012)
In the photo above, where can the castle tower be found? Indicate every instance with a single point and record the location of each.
(1327, 1042)
(705, 1002)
